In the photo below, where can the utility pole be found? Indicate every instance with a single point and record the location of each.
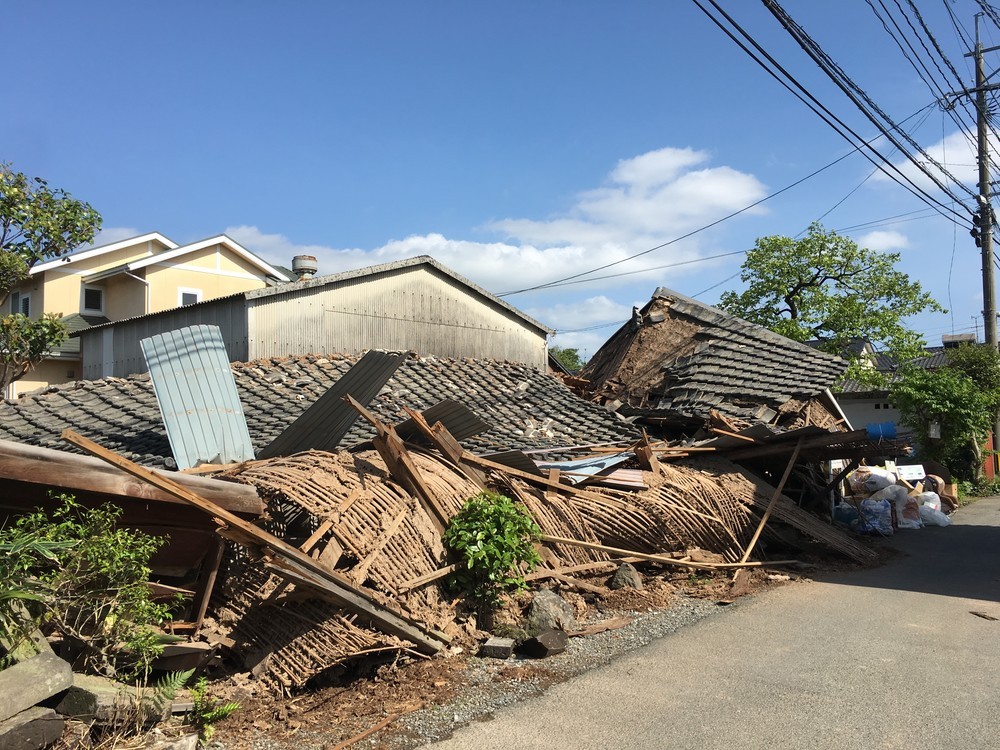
(985, 206)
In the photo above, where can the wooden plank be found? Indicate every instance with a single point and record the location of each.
(736, 435)
(69, 471)
(531, 478)
(210, 572)
(647, 459)
(338, 590)
(419, 581)
(582, 567)
(774, 500)
(348, 501)
(314, 538)
(360, 571)
(776, 448)
(618, 552)
(397, 459)
(600, 627)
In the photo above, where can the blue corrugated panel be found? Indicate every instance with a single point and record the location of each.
(197, 396)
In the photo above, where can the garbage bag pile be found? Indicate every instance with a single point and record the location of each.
(880, 502)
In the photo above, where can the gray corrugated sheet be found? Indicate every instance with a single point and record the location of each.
(457, 418)
(322, 425)
(197, 396)
(578, 471)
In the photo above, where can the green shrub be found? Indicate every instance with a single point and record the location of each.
(207, 712)
(85, 578)
(492, 536)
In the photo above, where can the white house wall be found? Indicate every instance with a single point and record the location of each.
(405, 309)
(865, 411)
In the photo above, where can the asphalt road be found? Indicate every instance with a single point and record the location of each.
(885, 658)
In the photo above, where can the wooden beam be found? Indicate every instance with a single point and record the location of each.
(855, 463)
(443, 440)
(288, 558)
(775, 448)
(774, 500)
(63, 470)
(617, 552)
(419, 581)
(397, 459)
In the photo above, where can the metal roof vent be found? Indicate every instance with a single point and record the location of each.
(304, 266)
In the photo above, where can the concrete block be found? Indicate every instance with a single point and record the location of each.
(93, 698)
(32, 729)
(497, 648)
(31, 681)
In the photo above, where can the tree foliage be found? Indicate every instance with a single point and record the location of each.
(36, 222)
(825, 287)
(962, 399)
(568, 358)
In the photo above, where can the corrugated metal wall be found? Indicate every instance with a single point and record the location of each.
(405, 309)
(115, 350)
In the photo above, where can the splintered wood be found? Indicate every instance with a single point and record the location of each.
(351, 510)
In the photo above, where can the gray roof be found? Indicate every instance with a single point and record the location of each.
(706, 359)
(75, 323)
(122, 413)
(336, 278)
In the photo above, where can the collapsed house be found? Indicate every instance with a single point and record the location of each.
(317, 538)
(679, 364)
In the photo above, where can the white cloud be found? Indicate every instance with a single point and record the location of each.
(650, 199)
(583, 313)
(883, 240)
(956, 152)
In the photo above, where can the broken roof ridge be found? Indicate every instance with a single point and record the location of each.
(665, 293)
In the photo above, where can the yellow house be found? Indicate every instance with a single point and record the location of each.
(141, 275)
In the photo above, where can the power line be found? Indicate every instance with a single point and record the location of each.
(824, 113)
(863, 102)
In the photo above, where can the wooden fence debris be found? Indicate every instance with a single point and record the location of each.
(292, 561)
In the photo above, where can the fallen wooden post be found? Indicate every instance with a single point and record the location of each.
(69, 471)
(774, 500)
(617, 552)
(397, 459)
(293, 561)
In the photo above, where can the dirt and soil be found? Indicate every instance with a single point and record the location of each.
(429, 698)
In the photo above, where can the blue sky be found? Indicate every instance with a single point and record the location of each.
(518, 143)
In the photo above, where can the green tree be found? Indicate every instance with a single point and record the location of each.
(825, 287)
(962, 399)
(36, 223)
(568, 358)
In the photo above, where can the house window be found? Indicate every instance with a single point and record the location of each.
(93, 299)
(21, 303)
(188, 296)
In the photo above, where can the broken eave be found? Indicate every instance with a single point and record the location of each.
(64, 471)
